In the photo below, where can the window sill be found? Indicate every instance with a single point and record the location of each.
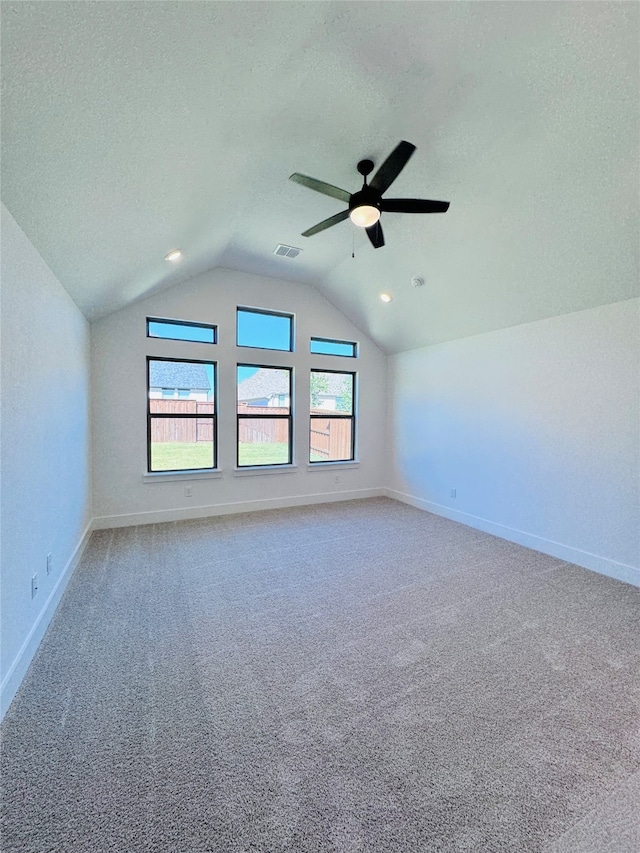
(249, 471)
(168, 476)
(322, 466)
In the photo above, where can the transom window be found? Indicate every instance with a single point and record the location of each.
(328, 346)
(181, 330)
(264, 329)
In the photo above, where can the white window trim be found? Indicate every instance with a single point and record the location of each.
(250, 470)
(194, 474)
(338, 463)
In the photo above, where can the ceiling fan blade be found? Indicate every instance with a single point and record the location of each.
(374, 232)
(326, 223)
(392, 166)
(413, 205)
(320, 186)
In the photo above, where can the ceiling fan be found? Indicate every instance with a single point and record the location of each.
(366, 205)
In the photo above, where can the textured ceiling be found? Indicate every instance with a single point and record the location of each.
(131, 128)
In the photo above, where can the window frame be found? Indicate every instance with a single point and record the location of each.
(189, 323)
(269, 313)
(248, 416)
(335, 415)
(353, 344)
(188, 415)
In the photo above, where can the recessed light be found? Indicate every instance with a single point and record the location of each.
(386, 297)
(174, 255)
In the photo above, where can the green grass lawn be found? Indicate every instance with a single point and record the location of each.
(176, 455)
(264, 454)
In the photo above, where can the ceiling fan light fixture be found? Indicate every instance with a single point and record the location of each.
(364, 216)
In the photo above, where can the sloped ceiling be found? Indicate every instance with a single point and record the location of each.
(131, 128)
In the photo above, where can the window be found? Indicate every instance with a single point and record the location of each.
(181, 330)
(264, 329)
(327, 346)
(181, 427)
(264, 415)
(332, 416)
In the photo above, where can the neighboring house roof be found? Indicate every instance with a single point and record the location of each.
(264, 383)
(268, 383)
(178, 374)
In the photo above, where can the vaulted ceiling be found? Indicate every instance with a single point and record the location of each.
(132, 128)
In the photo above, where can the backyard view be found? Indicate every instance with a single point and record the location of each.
(264, 415)
(275, 453)
(181, 393)
(176, 455)
(173, 456)
(181, 415)
(331, 421)
(182, 429)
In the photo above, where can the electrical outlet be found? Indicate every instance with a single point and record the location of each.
(336, 479)
(34, 585)
(453, 493)
(48, 564)
(188, 491)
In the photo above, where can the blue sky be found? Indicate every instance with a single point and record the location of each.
(268, 331)
(182, 332)
(265, 331)
(246, 372)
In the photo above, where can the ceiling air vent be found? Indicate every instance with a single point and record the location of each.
(286, 251)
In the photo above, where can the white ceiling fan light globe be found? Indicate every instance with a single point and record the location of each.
(365, 215)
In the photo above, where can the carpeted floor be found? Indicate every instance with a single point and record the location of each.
(360, 676)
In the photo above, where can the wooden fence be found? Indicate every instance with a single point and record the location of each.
(257, 430)
(177, 429)
(329, 438)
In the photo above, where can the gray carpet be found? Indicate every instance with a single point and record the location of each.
(360, 676)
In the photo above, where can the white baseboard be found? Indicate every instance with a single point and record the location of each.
(21, 662)
(594, 562)
(185, 513)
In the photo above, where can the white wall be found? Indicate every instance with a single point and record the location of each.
(119, 346)
(537, 429)
(45, 500)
